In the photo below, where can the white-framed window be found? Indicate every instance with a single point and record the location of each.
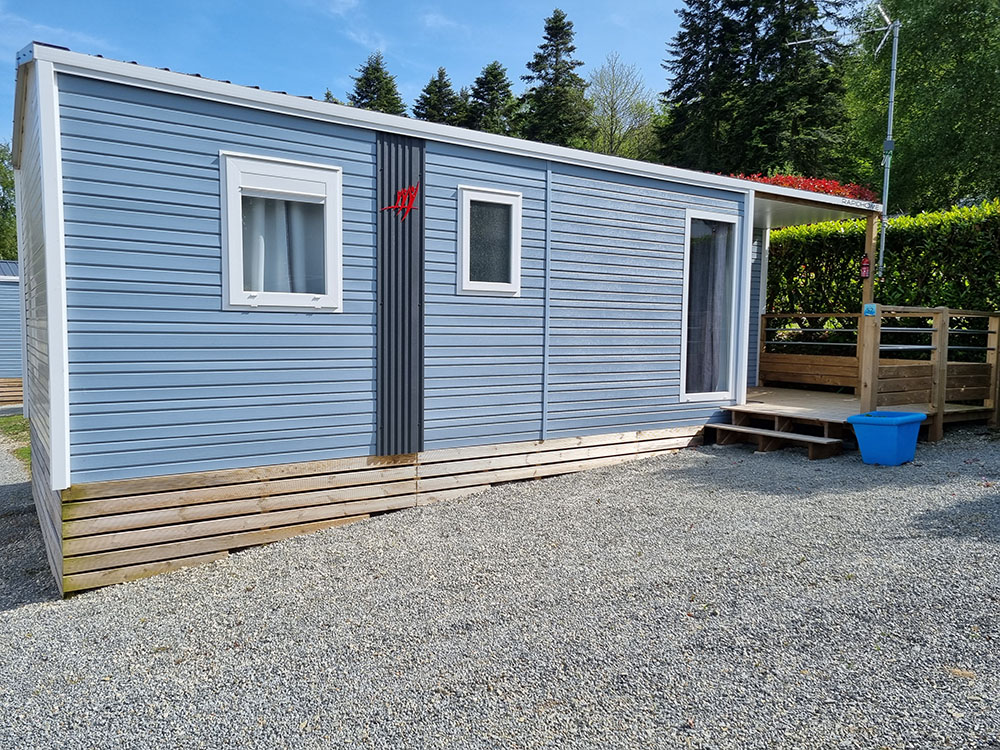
(709, 317)
(281, 233)
(489, 241)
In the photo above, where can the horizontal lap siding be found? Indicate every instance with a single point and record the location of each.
(483, 358)
(162, 379)
(10, 330)
(616, 294)
(30, 218)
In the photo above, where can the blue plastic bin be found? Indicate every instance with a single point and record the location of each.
(888, 438)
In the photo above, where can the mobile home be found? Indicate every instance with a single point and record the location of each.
(250, 315)
(10, 334)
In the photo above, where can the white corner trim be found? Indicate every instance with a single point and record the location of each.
(765, 245)
(22, 254)
(743, 356)
(55, 273)
(737, 307)
(467, 194)
(88, 66)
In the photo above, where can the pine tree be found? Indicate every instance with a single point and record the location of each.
(438, 101)
(557, 110)
(492, 107)
(791, 117)
(743, 100)
(704, 63)
(375, 88)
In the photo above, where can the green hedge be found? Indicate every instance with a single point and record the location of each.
(949, 258)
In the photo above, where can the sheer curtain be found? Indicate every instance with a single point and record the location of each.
(282, 246)
(709, 315)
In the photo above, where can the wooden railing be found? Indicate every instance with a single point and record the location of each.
(939, 359)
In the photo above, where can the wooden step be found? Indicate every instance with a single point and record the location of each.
(769, 440)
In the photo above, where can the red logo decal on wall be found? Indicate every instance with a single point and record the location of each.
(404, 201)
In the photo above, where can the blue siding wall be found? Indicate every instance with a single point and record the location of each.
(10, 330)
(616, 295)
(162, 380)
(483, 360)
(611, 361)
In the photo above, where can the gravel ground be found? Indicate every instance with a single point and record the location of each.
(713, 598)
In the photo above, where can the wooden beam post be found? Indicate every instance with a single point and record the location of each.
(869, 339)
(941, 320)
(871, 242)
(993, 360)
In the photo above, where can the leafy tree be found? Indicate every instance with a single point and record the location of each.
(622, 110)
(438, 101)
(947, 117)
(375, 88)
(492, 106)
(557, 110)
(8, 230)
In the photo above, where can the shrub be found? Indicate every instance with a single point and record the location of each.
(946, 258)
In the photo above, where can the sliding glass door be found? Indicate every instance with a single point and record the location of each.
(709, 326)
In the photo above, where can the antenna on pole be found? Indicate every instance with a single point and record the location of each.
(891, 29)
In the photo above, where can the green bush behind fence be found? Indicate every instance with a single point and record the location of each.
(946, 258)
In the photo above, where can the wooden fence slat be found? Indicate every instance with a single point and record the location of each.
(99, 578)
(265, 488)
(193, 547)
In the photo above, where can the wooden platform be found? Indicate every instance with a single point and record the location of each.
(821, 407)
(120, 530)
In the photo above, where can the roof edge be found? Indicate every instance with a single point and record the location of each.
(76, 63)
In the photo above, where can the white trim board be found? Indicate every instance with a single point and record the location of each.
(55, 273)
(267, 177)
(739, 290)
(87, 66)
(466, 285)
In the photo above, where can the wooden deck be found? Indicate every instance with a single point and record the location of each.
(821, 407)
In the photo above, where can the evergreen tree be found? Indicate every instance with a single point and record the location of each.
(375, 88)
(791, 116)
(438, 101)
(492, 107)
(557, 110)
(704, 63)
(743, 100)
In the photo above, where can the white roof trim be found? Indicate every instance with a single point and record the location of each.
(88, 66)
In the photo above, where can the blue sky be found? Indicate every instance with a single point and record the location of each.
(306, 46)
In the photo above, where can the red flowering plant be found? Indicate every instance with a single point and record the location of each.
(814, 184)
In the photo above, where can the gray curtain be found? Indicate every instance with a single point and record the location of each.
(709, 319)
(283, 246)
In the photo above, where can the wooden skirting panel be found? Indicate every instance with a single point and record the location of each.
(11, 391)
(121, 530)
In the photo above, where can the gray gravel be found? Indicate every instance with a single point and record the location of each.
(710, 598)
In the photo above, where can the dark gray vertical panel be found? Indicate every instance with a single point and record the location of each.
(400, 296)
